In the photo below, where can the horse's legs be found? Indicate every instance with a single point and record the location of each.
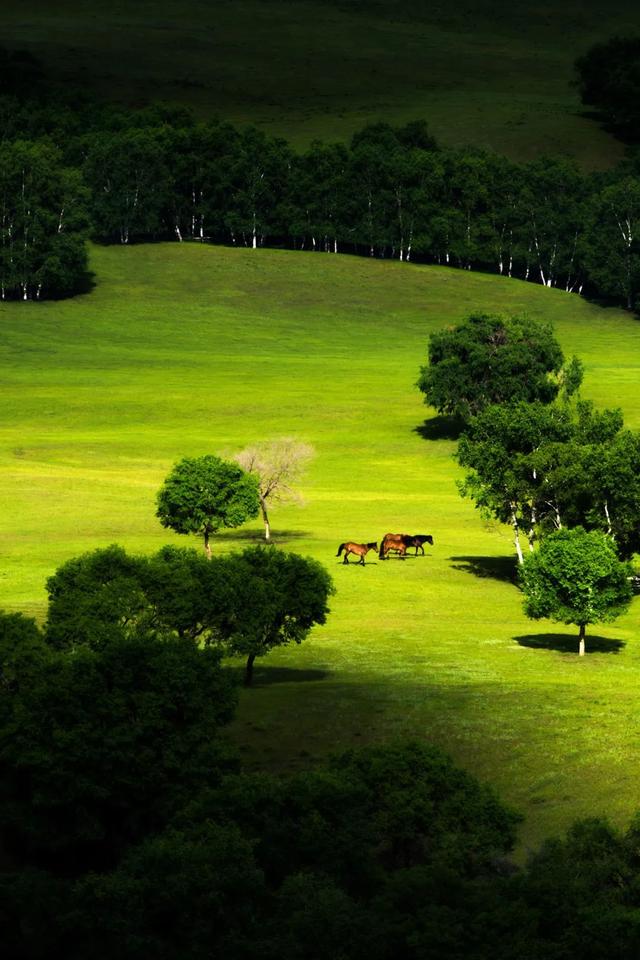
(362, 559)
(346, 558)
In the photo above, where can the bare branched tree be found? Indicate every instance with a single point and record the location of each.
(278, 464)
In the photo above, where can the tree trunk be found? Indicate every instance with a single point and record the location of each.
(581, 640)
(207, 545)
(265, 518)
(248, 673)
(516, 536)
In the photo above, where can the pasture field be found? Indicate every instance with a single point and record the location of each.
(185, 350)
(489, 72)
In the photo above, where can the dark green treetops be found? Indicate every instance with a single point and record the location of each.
(576, 577)
(491, 359)
(202, 494)
(275, 599)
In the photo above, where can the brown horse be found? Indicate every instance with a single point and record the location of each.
(360, 550)
(394, 542)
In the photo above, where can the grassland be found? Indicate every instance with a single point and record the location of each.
(489, 72)
(183, 350)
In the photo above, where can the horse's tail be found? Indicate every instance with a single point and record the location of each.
(340, 549)
(381, 551)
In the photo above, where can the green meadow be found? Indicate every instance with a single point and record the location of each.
(489, 72)
(182, 350)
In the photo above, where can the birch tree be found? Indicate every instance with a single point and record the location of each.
(43, 219)
(129, 180)
(612, 246)
(278, 466)
(576, 577)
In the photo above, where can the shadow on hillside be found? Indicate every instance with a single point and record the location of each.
(568, 643)
(497, 568)
(257, 536)
(440, 428)
(267, 676)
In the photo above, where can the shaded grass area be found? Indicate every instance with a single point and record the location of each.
(495, 74)
(185, 350)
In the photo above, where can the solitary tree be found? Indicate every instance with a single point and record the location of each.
(277, 464)
(491, 359)
(576, 577)
(274, 599)
(202, 494)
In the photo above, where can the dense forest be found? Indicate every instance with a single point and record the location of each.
(72, 168)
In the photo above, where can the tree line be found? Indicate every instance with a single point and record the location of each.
(74, 169)
(564, 475)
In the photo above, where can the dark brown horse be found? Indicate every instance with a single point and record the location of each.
(393, 543)
(360, 550)
(418, 540)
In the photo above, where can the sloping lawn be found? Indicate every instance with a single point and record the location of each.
(184, 350)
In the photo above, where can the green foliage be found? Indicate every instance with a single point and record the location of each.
(101, 594)
(275, 599)
(308, 866)
(611, 252)
(202, 494)
(609, 79)
(585, 889)
(488, 359)
(99, 746)
(576, 577)
(93, 598)
(43, 217)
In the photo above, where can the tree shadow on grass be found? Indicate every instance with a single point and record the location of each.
(440, 428)
(267, 676)
(257, 536)
(496, 568)
(568, 643)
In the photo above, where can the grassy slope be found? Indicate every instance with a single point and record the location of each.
(489, 72)
(186, 350)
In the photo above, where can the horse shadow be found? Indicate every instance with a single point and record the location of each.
(442, 427)
(568, 643)
(354, 563)
(496, 568)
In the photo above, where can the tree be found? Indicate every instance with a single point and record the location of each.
(276, 598)
(202, 494)
(612, 245)
(101, 745)
(498, 449)
(277, 464)
(129, 180)
(576, 577)
(491, 359)
(541, 467)
(609, 79)
(43, 218)
(108, 592)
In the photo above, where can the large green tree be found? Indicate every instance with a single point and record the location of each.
(275, 599)
(541, 467)
(491, 359)
(203, 494)
(576, 577)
